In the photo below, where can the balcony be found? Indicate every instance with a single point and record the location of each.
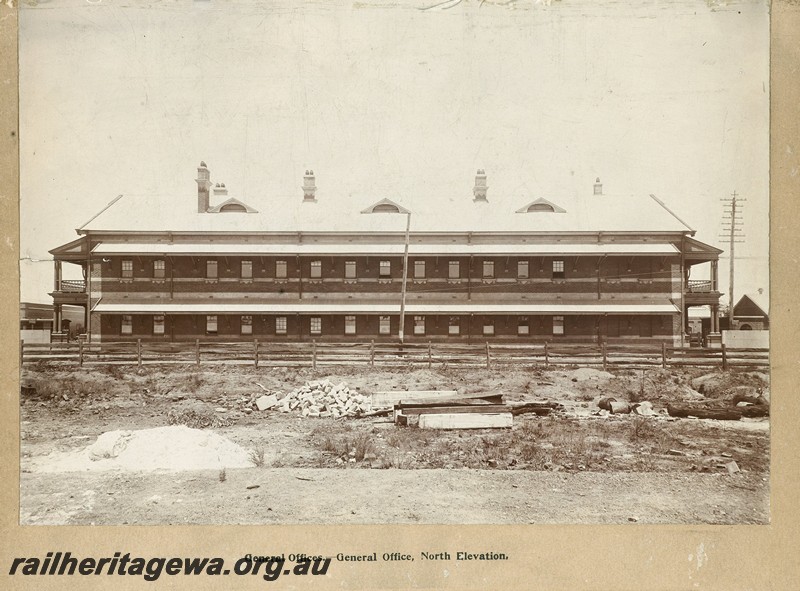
(70, 291)
(700, 293)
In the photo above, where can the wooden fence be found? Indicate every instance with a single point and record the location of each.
(313, 354)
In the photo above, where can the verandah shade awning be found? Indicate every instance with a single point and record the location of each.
(382, 308)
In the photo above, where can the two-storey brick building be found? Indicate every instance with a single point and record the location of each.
(573, 268)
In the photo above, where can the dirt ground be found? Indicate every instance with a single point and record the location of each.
(577, 465)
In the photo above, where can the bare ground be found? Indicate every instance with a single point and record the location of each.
(572, 467)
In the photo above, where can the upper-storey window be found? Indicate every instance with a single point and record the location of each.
(454, 270)
(349, 269)
(127, 268)
(488, 269)
(211, 269)
(522, 270)
(316, 270)
(386, 268)
(316, 325)
(159, 268)
(419, 269)
(280, 325)
(558, 269)
(247, 270)
(280, 270)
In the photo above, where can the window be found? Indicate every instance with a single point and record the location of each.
(488, 328)
(247, 270)
(316, 325)
(349, 269)
(419, 325)
(558, 269)
(127, 324)
(523, 327)
(280, 269)
(247, 325)
(158, 324)
(211, 270)
(349, 325)
(386, 269)
(280, 325)
(454, 326)
(316, 270)
(127, 268)
(522, 270)
(211, 324)
(488, 269)
(158, 268)
(384, 325)
(419, 269)
(454, 270)
(558, 325)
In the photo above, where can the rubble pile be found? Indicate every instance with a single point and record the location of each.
(325, 399)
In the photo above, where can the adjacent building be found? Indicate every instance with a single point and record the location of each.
(465, 267)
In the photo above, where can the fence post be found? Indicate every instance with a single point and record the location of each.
(314, 354)
(663, 354)
(430, 358)
(372, 352)
(197, 351)
(546, 356)
(21, 352)
(139, 352)
(488, 357)
(255, 353)
(605, 357)
(724, 357)
(80, 353)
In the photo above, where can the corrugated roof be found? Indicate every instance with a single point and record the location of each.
(384, 308)
(358, 248)
(430, 213)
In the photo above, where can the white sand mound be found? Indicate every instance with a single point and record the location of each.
(171, 448)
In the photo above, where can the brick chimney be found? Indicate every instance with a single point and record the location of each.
(309, 187)
(203, 186)
(480, 186)
(220, 190)
(598, 187)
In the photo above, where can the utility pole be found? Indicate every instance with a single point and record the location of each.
(732, 222)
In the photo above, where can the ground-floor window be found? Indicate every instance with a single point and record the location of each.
(280, 325)
(454, 326)
(523, 326)
(522, 270)
(158, 324)
(419, 269)
(211, 324)
(127, 324)
(419, 325)
(488, 328)
(558, 325)
(385, 269)
(316, 325)
(349, 325)
(384, 325)
(247, 325)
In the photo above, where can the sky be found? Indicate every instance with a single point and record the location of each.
(382, 101)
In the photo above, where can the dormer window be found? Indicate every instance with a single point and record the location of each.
(541, 206)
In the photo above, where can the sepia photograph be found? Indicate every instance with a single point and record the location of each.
(430, 263)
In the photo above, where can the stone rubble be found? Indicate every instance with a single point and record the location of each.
(325, 399)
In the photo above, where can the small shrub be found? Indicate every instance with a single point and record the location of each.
(222, 476)
(257, 457)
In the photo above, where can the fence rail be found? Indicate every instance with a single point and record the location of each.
(271, 354)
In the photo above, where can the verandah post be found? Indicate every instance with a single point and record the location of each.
(663, 354)
(546, 356)
(255, 353)
(605, 356)
(197, 351)
(139, 352)
(372, 353)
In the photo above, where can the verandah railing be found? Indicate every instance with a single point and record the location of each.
(313, 354)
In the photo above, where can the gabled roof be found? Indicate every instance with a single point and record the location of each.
(541, 205)
(77, 248)
(747, 307)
